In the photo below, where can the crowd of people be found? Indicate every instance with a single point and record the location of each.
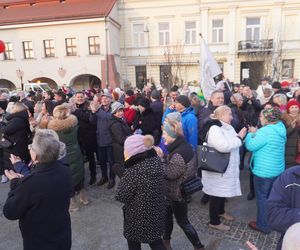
(149, 140)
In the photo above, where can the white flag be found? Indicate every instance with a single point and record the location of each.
(210, 69)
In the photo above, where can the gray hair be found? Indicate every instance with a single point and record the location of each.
(281, 98)
(236, 97)
(46, 145)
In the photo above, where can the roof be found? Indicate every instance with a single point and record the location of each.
(33, 11)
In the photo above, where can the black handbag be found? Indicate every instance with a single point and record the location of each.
(210, 159)
(191, 186)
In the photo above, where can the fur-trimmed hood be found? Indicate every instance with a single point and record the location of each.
(63, 125)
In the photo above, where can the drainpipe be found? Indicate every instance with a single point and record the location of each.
(107, 51)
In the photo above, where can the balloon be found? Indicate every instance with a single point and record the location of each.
(2, 46)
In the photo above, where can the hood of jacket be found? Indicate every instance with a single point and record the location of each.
(63, 125)
(188, 110)
(22, 114)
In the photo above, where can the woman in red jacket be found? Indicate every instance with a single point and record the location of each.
(129, 111)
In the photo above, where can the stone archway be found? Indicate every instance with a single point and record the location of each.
(4, 83)
(85, 81)
(51, 83)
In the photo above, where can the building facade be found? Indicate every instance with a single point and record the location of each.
(132, 42)
(249, 39)
(60, 42)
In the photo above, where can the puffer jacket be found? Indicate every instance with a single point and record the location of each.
(180, 166)
(268, 147)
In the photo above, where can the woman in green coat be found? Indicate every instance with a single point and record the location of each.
(66, 126)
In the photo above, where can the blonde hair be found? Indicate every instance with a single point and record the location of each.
(219, 111)
(18, 107)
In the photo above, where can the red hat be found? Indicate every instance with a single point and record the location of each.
(130, 99)
(285, 84)
(292, 102)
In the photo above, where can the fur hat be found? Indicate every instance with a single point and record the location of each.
(137, 144)
(116, 106)
(62, 111)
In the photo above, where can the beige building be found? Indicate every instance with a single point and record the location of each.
(83, 42)
(160, 40)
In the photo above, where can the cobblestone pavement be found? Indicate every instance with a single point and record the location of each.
(99, 225)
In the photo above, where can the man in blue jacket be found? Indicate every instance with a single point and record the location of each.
(188, 117)
(283, 204)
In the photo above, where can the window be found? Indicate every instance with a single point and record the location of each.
(28, 49)
(71, 47)
(287, 69)
(8, 53)
(139, 36)
(49, 48)
(217, 31)
(253, 29)
(94, 45)
(190, 32)
(164, 33)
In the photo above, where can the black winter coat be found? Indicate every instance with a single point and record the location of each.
(147, 123)
(40, 201)
(17, 130)
(239, 120)
(142, 190)
(204, 116)
(251, 108)
(86, 131)
(119, 132)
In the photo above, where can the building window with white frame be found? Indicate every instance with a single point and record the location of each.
(190, 32)
(94, 45)
(71, 46)
(8, 53)
(49, 48)
(253, 29)
(139, 36)
(164, 33)
(287, 69)
(28, 50)
(217, 31)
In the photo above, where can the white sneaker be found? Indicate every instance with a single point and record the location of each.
(4, 179)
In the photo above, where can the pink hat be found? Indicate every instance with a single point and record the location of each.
(137, 144)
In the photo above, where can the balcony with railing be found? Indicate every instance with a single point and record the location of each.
(250, 46)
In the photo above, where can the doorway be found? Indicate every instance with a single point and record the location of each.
(252, 73)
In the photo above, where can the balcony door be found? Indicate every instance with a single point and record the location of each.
(253, 29)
